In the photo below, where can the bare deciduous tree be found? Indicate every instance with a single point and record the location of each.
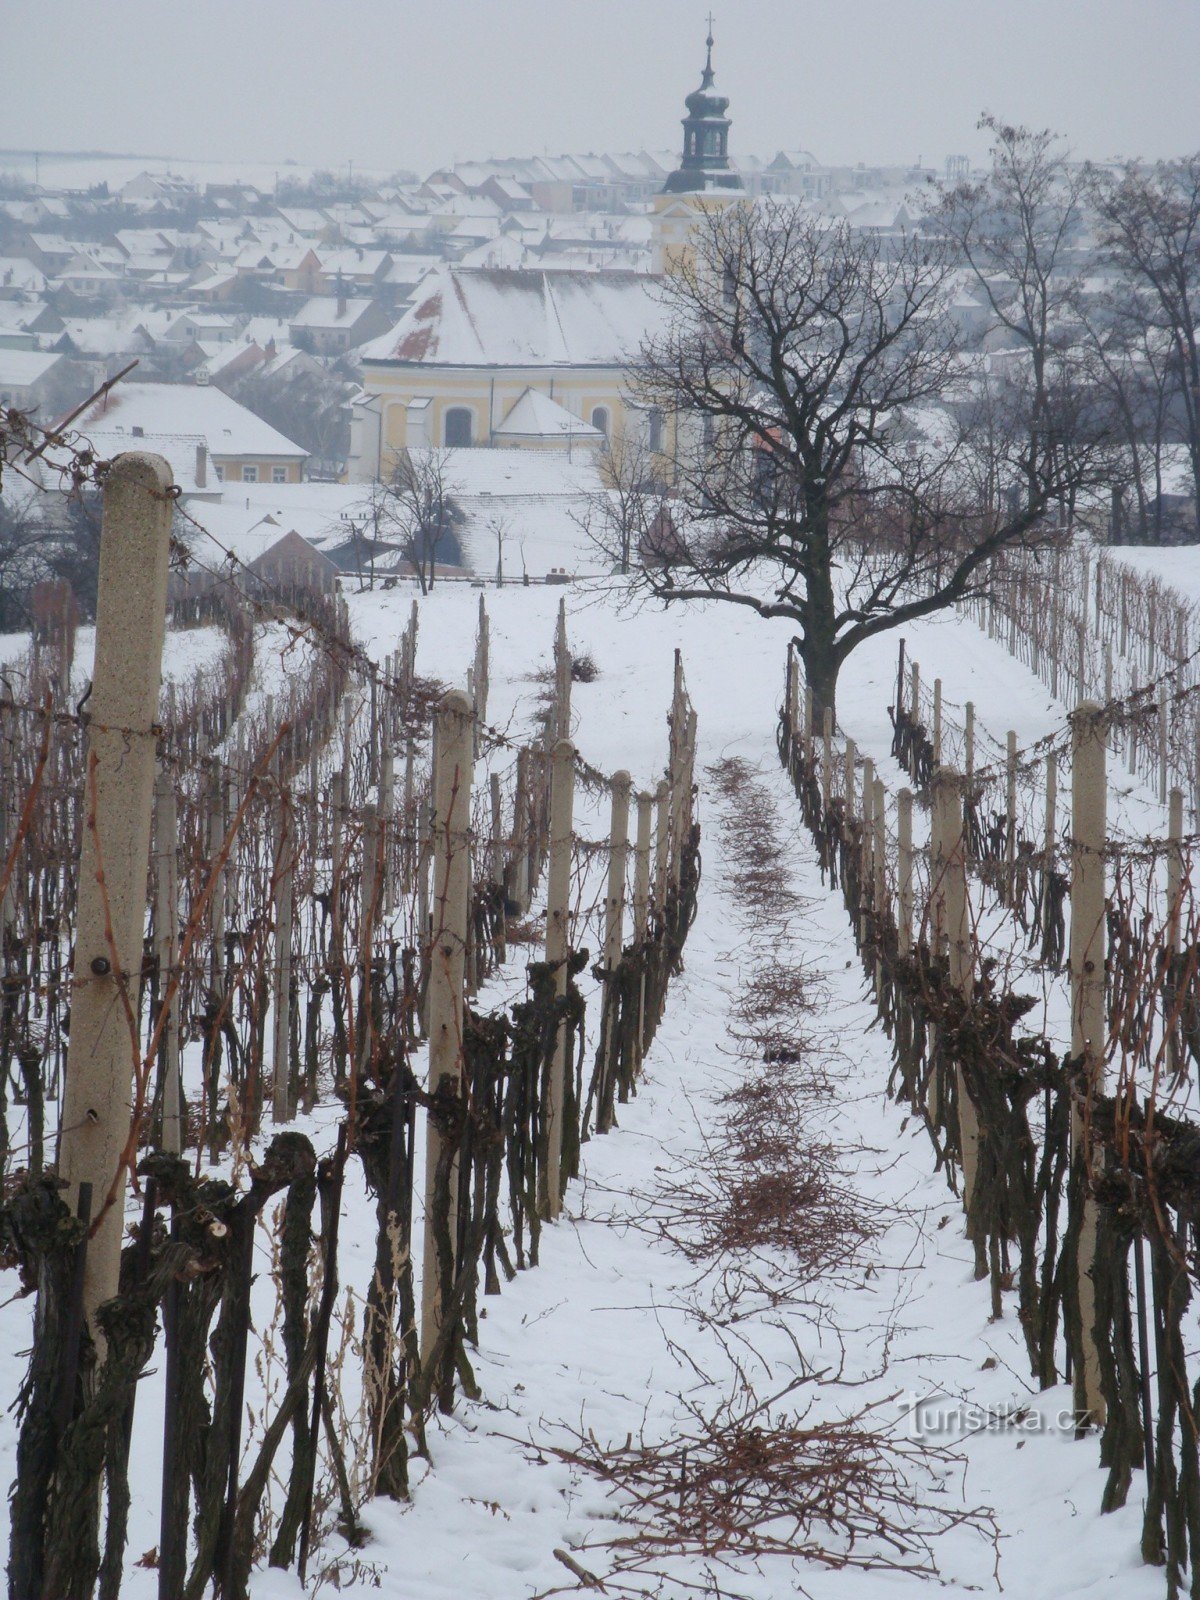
(1150, 231)
(417, 506)
(822, 474)
(1016, 230)
(624, 516)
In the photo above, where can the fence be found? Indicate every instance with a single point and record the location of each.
(330, 890)
(1072, 1161)
(1092, 628)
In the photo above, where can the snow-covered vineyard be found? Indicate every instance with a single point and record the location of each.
(593, 1127)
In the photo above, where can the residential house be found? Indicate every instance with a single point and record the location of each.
(37, 380)
(329, 325)
(242, 448)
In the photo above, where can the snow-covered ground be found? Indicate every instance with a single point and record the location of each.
(610, 1334)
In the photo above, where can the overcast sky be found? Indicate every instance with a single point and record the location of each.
(389, 83)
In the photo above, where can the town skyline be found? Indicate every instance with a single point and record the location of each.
(903, 85)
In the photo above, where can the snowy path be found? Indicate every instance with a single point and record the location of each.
(595, 1338)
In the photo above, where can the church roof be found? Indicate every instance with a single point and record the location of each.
(504, 317)
(536, 416)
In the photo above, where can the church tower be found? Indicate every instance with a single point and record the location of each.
(705, 163)
(704, 177)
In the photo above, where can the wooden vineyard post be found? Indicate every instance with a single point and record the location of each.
(969, 742)
(790, 701)
(521, 824)
(387, 809)
(282, 883)
(614, 938)
(1050, 837)
(808, 728)
(1088, 1020)
(866, 851)
(1164, 743)
(424, 912)
(562, 676)
(848, 776)
(7, 746)
(937, 722)
(904, 807)
(216, 972)
(447, 978)
(558, 950)
(662, 847)
(641, 904)
(481, 670)
(1010, 828)
(952, 863)
(1174, 918)
(878, 877)
(496, 866)
(370, 905)
(114, 854)
(166, 942)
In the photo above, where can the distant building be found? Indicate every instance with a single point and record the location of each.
(241, 447)
(35, 380)
(704, 178)
(477, 342)
(329, 325)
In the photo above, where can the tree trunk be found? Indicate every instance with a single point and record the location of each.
(821, 667)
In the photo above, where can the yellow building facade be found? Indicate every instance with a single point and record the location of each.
(456, 369)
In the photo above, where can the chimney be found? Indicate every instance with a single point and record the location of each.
(201, 466)
(341, 297)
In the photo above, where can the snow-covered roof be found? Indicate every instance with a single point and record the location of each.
(181, 451)
(20, 368)
(484, 317)
(18, 273)
(502, 473)
(535, 416)
(201, 409)
(326, 311)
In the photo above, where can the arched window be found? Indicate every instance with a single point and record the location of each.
(458, 427)
(600, 419)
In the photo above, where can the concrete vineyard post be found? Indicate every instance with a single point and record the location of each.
(114, 852)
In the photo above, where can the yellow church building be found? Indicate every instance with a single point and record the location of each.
(537, 359)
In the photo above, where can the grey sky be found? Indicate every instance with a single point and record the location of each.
(389, 83)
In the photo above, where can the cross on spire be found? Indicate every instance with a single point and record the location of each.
(708, 66)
